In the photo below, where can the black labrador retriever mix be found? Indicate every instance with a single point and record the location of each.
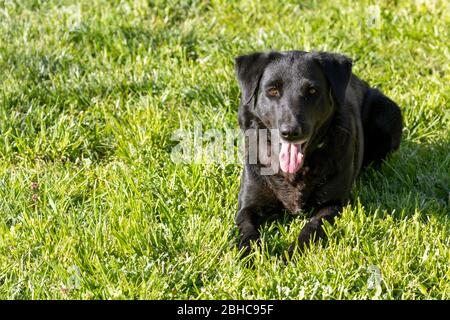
(330, 124)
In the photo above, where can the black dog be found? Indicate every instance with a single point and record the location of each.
(330, 124)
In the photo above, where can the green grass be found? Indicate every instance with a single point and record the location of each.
(92, 207)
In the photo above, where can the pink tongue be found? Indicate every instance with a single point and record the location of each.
(291, 157)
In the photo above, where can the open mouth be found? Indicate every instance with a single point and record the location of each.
(292, 156)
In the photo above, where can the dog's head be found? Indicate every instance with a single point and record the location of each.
(295, 92)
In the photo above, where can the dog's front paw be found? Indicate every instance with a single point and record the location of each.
(297, 246)
(245, 245)
(311, 232)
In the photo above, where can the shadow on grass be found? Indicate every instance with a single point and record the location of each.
(415, 178)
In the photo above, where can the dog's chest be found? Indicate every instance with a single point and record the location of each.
(292, 191)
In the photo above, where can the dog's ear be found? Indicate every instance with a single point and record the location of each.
(338, 70)
(249, 69)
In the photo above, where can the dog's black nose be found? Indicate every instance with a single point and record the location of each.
(290, 132)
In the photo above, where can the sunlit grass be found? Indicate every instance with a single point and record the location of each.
(92, 207)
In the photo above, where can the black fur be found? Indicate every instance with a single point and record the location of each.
(346, 125)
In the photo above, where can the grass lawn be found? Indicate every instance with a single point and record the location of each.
(92, 207)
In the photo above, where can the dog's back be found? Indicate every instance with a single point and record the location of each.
(382, 122)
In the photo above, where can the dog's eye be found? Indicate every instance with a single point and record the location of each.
(312, 91)
(273, 92)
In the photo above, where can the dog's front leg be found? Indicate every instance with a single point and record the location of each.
(313, 230)
(256, 203)
(247, 221)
